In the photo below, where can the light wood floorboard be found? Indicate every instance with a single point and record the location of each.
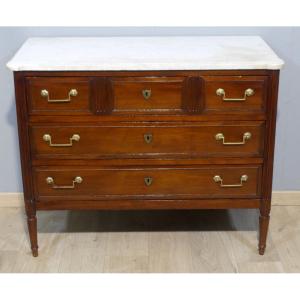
(210, 241)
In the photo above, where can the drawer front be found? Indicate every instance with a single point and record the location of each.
(160, 183)
(245, 94)
(58, 95)
(136, 141)
(147, 95)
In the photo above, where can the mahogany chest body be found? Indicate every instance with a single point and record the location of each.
(146, 139)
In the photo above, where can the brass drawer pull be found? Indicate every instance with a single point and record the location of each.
(146, 94)
(220, 136)
(218, 178)
(72, 93)
(47, 138)
(148, 181)
(50, 181)
(148, 137)
(247, 93)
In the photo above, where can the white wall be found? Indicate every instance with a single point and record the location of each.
(284, 40)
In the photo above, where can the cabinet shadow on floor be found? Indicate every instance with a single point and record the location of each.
(135, 221)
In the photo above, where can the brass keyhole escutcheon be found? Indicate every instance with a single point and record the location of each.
(148, 137)
(148, 181)
(146, 94)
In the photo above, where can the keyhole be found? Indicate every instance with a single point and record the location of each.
(148, 180)
(146, 94)
(148, 138)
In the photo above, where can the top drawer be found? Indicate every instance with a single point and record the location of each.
(58, 95)
(234, 94)
(146, 95)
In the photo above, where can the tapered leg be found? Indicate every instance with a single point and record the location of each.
(263, 232)
(32, 229)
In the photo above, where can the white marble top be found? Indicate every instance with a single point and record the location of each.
(145, 53)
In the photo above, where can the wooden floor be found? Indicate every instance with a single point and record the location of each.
(155, 241)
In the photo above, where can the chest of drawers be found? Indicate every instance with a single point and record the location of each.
(133, 123)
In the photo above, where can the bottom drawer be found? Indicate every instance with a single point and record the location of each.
(77, 183)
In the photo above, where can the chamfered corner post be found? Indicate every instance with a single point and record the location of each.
(265, 205)
(23, 129)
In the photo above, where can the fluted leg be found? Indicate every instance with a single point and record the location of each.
(263, 232)
(32, 229)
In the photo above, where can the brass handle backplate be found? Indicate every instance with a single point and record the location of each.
(50, 181)
(148, 137)
(146, 94)
(221, 137)
(221, 92)
(72, 93)
(47, 138)
(218, 178)
(148, 181)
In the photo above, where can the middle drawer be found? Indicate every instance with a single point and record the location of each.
(148, 140)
